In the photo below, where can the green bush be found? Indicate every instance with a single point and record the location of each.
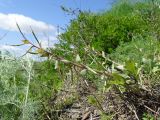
(106, 30)
(144, 52)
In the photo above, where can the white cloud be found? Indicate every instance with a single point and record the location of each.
(15, 51)
(8, 22)
(9, 48)
(48, 42)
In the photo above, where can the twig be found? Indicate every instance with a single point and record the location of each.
(27, 51)
(36, 37)
(135, 113)
(5, 34)
(151, 110)
(67, 110)
(85, 116)
(21, 31)
(91, 116)
(156, 115)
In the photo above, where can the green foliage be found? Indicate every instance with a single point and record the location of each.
(117, 80)
(105, 31)
(106, 117)
(148, 117)
(24, 86)
(92, 100)
(15, 100)
(46, 80)
(143, 52)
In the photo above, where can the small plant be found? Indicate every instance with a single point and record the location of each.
(148, 117)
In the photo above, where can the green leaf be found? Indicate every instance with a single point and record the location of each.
(131, 68)
(56, 64)
(78, 59)
(155, 69)
(32, 52)
(45, 54)
(83, 72)
(18, 45)
(117, 80)
(26, 41)
(40, 51)
(92, 100)
(103, 54)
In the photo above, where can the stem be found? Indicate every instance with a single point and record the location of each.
(27, 88)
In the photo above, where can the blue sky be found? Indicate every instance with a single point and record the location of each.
(42, 15)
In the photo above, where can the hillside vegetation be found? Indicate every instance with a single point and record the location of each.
(106, 66)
